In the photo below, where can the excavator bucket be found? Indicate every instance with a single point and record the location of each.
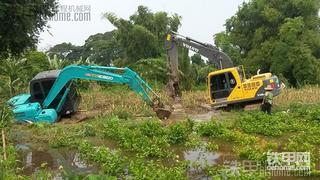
(162, 111)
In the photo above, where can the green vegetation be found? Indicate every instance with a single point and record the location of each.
(147, 148)
(278, 36)
(121, 138)
(22, 22)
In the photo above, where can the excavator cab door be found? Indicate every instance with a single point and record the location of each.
(221, 86)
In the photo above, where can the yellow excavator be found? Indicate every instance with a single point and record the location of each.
(228, 85)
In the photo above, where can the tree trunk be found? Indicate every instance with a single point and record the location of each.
(172, 87)
(4, 144)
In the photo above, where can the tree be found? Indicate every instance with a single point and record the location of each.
(203, 73)
(153, 70)
(197, 59)
(278, 36)
(65, 51)
(142, 36)
(22, 22)
(35, 62)
(101, 48)
(188, 72)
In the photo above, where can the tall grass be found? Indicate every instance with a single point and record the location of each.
(304, 95)
(120, 100)
(117, 99)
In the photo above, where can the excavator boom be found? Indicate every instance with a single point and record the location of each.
(100, 73)
(214, 55)
(175, 40)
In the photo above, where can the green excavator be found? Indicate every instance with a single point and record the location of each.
(53, 93)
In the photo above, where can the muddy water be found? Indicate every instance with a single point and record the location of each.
(32, 159)
(179, 114)
(33, 156)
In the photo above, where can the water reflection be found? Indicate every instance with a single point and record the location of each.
(32, 159)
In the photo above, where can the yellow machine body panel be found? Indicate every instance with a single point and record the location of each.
(229, 86)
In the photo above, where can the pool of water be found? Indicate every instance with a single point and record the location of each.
(31, 159)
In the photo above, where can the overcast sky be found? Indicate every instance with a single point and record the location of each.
(201, 19)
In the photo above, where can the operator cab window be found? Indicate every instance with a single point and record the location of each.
(232, 80)
(46, 85)
(37, 92)
(218, 82)
(221, 85)
(240, 74)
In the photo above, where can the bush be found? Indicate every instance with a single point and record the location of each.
(151, 128)
(141, 169)
(178, 133)
(261, 123)
(111, 162)
(138, 138)
(212, 129)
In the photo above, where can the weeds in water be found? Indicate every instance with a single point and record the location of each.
(178, 133)
(210, 146)
(212, 129)
(138, 139)
(194, 141)
(141, 169)
(221, 172)
(261, 123)
(152, 128)
(252, 135)
(111, 161)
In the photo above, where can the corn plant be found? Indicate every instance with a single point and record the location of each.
(5, 119)
(12, 75)
(56, 63)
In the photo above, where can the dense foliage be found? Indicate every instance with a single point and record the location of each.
(278, 36)
(102, 48)
(142, 36)
(137, 43)
(22, 22)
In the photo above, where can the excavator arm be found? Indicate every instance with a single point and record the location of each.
(214, 55)
(106, 74)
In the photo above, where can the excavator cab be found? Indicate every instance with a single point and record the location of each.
(223, 83)
(40, 87)
(230, 86)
